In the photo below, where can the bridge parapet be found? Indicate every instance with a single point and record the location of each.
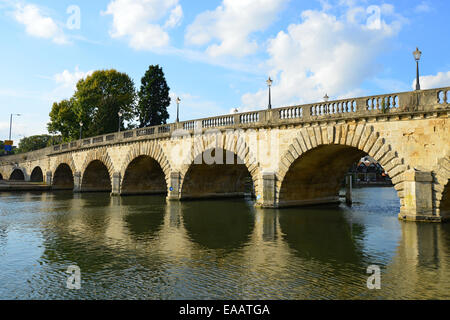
(432, 100)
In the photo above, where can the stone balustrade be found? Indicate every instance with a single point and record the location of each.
(387, 104)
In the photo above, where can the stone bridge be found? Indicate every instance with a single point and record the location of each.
(290, 156)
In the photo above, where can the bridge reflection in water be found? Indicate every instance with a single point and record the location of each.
(144, 247)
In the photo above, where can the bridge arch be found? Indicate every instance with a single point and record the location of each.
(63, 177)
(144, 175)
(194, 170)
(37, 175)
(18, 174)
(441, 188)
(315, 163)
(97, 172)
(145, 169)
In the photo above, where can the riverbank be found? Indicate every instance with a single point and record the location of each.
(19, 186)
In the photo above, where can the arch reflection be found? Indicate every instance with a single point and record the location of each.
(143, 216)
(218, 224)
(321, 233)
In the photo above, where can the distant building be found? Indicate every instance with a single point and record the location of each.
(367, 170)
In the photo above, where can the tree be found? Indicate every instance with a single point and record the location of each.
(100, 97)
(34, 143)
(96, 102)
(64, 119)
(153, 98)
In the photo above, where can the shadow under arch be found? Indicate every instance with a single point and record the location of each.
(227, 176)
(216, 224)
(444, 206)
(144, 175)
(17, 175)
(316, 176)
(326, 153)
(37, 175)
(63, 178)
(96, 178)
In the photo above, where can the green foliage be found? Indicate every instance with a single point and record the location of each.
(64, 119)
(153, 98)
(34, 143)
(96, 102)
(100, 97)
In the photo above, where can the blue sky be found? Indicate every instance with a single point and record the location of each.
(216, 55)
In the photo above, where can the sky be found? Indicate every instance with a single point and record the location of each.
(218, 54)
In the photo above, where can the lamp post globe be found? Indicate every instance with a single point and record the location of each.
(417, 55)
(269, 84)
(120, 114)
(178, 109)
(81, 129)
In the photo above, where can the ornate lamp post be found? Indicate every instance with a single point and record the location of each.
(120, 114)
(81, 129)
(269, 84)
(417, 54)
(178, 109)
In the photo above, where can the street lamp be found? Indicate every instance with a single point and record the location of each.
(178, 109)
(10, 122)
(120, 114)
(81, 129)
(326, 98)
(269, 84)
(417, 54)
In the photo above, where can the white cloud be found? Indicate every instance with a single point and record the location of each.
(69, 79)
(176, 15)
(66, 82)
(440, 80)
(138, 20)
(227, 29)
(325, 54)
(424, 7)
(38, 25)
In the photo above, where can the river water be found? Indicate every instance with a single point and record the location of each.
(144, 248)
